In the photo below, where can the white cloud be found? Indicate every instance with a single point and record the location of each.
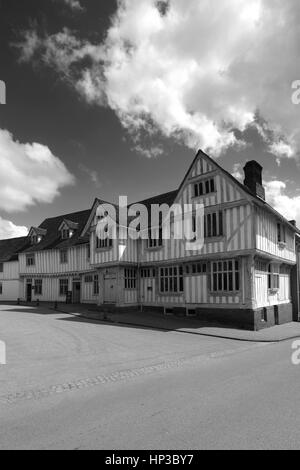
(194, 69)
(74, 4)
(29, 173)
(151, 152)
(237, 172)
(282, 149)
(9, 230)
(288, 206)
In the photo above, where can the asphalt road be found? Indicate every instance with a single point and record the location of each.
(72, 384)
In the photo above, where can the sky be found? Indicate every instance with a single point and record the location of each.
(107, 98)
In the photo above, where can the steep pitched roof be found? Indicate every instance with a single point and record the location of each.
(166, 198)
(52, 239)
(244, 188)
(9, 248)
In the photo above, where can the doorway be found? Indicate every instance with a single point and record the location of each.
(28, 292)
(110, 289)
(76, 296)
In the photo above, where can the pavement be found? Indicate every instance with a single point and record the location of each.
(183, 324)
(76, 383)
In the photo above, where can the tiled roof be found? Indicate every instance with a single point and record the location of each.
(53, 237)
(9, 248)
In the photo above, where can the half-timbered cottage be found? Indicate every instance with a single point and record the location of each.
(10, 284)
(56, 262)
(244, 273)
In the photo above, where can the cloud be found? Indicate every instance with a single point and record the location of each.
(29, 173)
(194, 71)
(281, 150)
(151, 152)
(92, 174)
(74, 4)
(237, 172)
(288, 206)
(9, 230)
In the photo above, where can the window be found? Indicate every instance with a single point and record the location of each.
(1, 288)
(38, 286)
(63, 287)
(196, 268)
(63, 256)
(147, 273)
(30, 260)
(204, 187)
(102, 244)
(96, 285)
(88, 279)
(281, 233)
(274, 277)
(130, 279)
(213, 225)
(65, 234)
(155, 242)
(1, 267)
(225, 276)
(171, 280)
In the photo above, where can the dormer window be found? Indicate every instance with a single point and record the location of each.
(67, 229)
(36, 239)
(65, 234)
(36, 235)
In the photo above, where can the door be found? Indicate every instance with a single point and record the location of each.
(28, 292)
(76, 292)
(110, 289)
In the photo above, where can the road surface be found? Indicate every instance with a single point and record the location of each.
(73, 384)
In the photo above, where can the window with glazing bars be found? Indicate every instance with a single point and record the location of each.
(204, 187)
(103, 243)
(225, 276)
(171, 280)
(63, 287)
(213, 225)
(130, 279)
(38, 286)
(96, 284)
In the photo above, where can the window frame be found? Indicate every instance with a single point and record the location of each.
(64, 232)
(196, 269)
(96, 286)
(214, 224)
(104, 244)
(28, 258)
(63, 282)
(63, 256)
(225, 277)
(38, 287)
(204, 187)
(148, 273)
(171, 280)
(130, 279)
(273, 277)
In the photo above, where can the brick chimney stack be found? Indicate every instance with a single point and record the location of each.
(253, 179)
